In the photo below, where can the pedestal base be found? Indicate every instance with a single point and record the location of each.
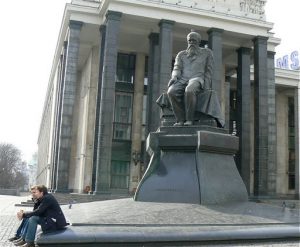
(193, 166)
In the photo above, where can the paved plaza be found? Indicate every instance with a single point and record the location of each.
(9, 222)
(8, 219)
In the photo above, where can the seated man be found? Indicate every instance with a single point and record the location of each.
(48, 214)
(192, 73)
(24, 223)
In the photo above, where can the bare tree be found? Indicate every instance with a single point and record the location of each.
(12, 168)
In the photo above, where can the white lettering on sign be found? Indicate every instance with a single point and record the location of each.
(288, 61)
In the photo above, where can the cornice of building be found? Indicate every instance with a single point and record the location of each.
(86, 3)
(206, 18)
(286, 77)
(250, 9)
(273, 42)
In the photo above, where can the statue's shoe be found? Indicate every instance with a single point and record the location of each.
(188, 123)
(178, 124)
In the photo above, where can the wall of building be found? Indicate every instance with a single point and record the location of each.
(44, 142)
(91, 115)
(282, 143)
(79, 125)
(83, 124)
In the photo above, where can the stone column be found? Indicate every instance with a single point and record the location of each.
(153, 119)
(97, 123)
(215, 44)
(260, 116)
(68, 100)
(272, 168)
(297, 141)
(243, 114)
(113, 20)
(165, 54)
(60, 87)
(137, 116)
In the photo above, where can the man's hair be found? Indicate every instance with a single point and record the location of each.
(32, 187)
(42, 188)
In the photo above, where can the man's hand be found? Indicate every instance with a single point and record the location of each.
(172, 81)
(20, 214)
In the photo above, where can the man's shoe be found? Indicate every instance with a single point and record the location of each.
(188, 123)
(28, 245)
(178, 124)
(20, 243)
(13, 238)
(18, 240)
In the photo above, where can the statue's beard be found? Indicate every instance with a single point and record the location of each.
(192, 50)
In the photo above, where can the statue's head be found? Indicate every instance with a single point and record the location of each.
(193, 38)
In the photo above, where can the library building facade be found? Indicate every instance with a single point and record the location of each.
(114, 58)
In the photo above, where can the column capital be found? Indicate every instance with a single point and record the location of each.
(113, 15)
(244, 50)
(260, 39)
(154, 37)
(271, 54)
(215, 31)
(75, 24)
(102, 28)
(166, 23)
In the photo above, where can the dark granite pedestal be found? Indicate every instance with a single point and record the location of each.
(193, 164)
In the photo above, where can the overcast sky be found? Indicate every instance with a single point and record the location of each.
(29, 32)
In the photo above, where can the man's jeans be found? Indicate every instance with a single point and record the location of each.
(31, 228)
(22, 228)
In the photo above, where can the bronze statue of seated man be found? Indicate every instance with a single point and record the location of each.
(207, 110)
(190, 84)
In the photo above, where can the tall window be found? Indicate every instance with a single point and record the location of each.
(125, 68)
(119, 174)
(291, 131)
(123, 116)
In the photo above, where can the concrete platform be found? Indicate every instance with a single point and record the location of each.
(125, 222)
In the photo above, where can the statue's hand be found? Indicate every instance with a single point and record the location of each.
(172, 81)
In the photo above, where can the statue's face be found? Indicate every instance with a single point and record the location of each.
(192, 40)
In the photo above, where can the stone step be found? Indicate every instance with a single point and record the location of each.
(74, 198)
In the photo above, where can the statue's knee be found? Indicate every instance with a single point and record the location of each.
(170, 92)
(190, 91)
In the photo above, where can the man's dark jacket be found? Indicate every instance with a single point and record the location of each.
(52, 217)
